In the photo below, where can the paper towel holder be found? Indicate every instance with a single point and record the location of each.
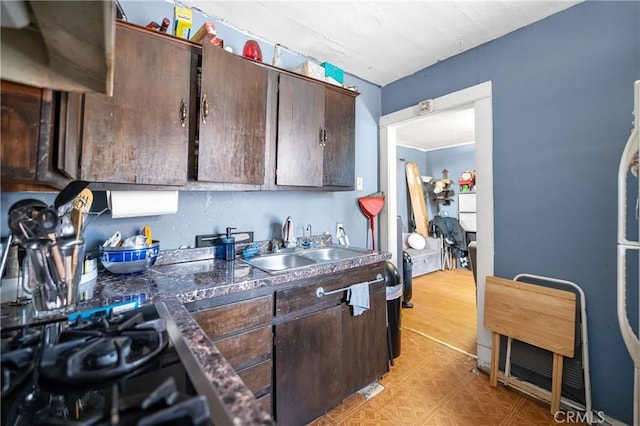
(125, 204)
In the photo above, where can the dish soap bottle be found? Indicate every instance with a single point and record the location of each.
(229, 246)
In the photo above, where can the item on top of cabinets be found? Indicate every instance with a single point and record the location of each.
(333, 74)
(182, 20)
(310, 69)
(277, 51)
(153, 25)
(251, 50)
(206, 34)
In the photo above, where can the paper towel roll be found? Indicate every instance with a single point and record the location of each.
(142, 203)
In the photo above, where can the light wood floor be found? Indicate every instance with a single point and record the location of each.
(444, 309)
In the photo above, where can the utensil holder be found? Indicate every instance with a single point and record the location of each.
(53, 283)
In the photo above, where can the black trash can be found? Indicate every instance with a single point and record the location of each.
(407, 269)
(394, 310)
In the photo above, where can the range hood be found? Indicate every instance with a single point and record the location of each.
(61, 45)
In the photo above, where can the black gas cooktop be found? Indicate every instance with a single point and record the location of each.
(130, 368)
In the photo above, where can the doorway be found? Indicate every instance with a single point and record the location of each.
(480, 97)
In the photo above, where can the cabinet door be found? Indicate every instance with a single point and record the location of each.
(232, 119)
(21, 106)
(340, 146)
(309, 368)
(32, 150)
(365, 342)
(300, 123)
(140, 134)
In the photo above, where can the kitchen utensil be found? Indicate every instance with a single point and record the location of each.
(51, 294)
(113, 240)
(65, 227)
(69, 193)
(147, 233)
(48, 222)
(371, 206)
(41, 282)
(129, 260)
(5, 253)
(81, 205)
(23, 217)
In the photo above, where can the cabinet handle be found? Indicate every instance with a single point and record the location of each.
(204, 112)
(183, 113)
(323, 136)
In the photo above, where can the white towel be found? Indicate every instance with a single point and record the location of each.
(358, 296)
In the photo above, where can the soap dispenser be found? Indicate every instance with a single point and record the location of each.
(229, 246)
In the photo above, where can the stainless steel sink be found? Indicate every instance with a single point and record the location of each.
(279, 262)
(282, 262)
(330, 254)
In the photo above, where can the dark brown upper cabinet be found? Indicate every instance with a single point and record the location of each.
(300, 132)
(232, 119)
(140, 135)
(316, 135)
(35, 155)
(340, 142)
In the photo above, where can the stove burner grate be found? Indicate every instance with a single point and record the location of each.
(103, 349)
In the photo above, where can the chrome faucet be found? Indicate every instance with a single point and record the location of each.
(309, 229)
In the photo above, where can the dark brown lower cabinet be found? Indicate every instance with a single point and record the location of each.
(309, 374)
(322, 352)
(365, 344)
(242, 332)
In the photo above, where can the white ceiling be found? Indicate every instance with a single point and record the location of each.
(439, 130)
(383, 41)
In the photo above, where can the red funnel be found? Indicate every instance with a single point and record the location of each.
(371, 206)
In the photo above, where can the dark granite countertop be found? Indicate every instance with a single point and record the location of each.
(183, 276)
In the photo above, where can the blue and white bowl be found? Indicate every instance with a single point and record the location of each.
(129, 260)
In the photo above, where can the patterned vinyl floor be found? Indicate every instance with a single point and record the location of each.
(431, 384)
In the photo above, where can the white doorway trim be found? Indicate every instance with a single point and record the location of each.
(480, 97)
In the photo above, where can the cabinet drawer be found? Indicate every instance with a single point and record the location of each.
(257, 377)
(227, 319)
(304, 299)
(265, 402)
(242, 348)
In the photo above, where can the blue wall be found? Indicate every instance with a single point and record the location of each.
(261, 212)
(456, 159)
(562, 102)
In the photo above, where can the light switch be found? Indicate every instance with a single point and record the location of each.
(359, 183)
